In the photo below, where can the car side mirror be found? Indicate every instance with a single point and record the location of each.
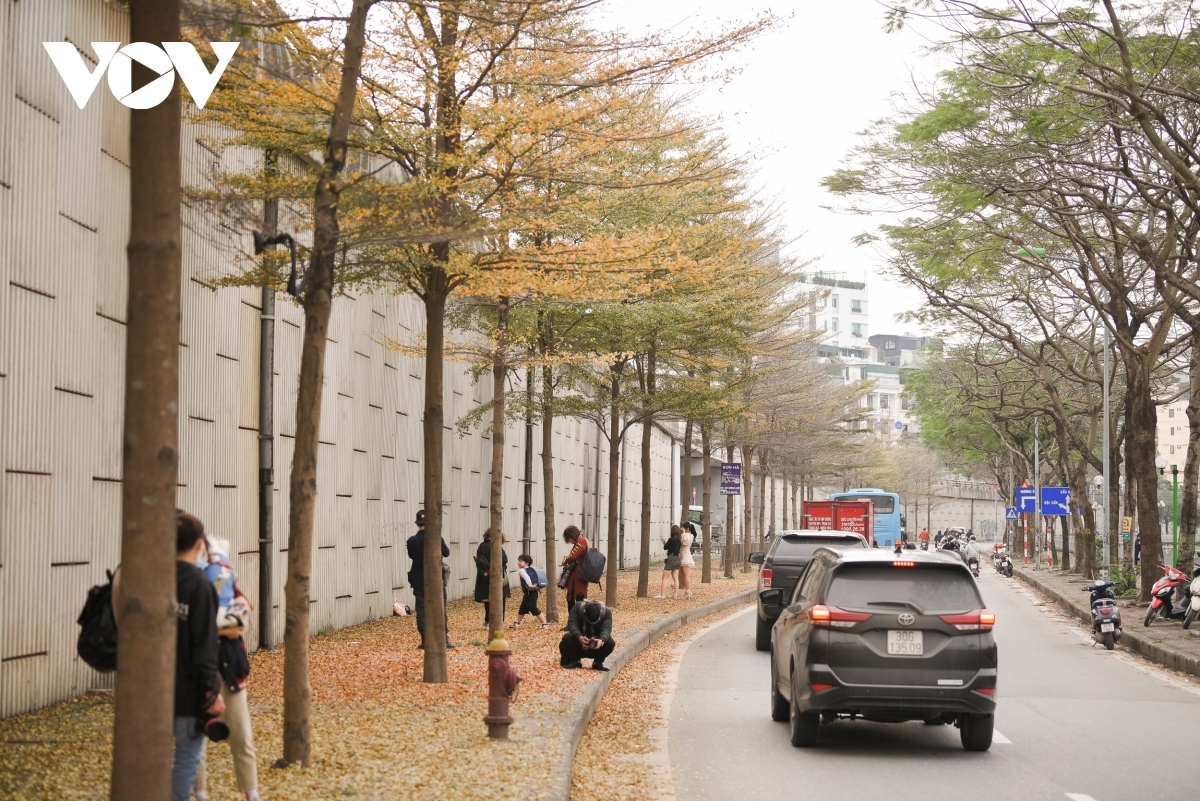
(757, 557)
(770, 597)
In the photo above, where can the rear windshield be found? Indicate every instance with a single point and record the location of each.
(925, 590)
(882, 504)
(803, 547)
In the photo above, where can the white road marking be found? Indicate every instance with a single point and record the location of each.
(1079, 797)
(997, 737)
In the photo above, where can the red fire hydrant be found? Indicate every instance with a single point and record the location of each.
(503, 679)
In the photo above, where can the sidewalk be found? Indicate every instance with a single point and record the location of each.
(379, 732)
(1165, 642)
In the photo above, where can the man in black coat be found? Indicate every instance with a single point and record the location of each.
(416, 577)
(589, 634)
(197, 686)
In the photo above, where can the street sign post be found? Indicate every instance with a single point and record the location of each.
(1025, 503)
(731, 478)
(1010, 513)
(1056, 501)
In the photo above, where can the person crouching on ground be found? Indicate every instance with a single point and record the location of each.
(589, 634)
(529, 592)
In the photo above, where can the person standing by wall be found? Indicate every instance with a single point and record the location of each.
(576, 587)
(416, 577)
(672, 546)
(483, 556)
(686, 561)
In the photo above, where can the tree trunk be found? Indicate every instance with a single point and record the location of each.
(1112, 515)
(436, 294)
(616, 434)
(145, 694)
(1145, 420)
(1130, 504)
(643, 588)
(771, 523)
(686, 513)
(727, 554)
(748, 506)
(496, 491)
(548, 522)
(762, 502)
(797, 523)
(318, 304)
(1191, 468)
(1085, 537)
(706, 505)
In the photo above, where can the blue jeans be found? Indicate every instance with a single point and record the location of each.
(189, 748)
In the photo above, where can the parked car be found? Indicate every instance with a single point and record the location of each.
(885, 638)
(782, 564)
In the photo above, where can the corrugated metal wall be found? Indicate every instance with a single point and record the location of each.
(64, 199)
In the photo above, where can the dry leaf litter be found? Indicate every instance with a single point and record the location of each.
(378, 731)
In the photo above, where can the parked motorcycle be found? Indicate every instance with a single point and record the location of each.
(1193, 601)
(1106, 615)
(1002, 562)
(1162, 592)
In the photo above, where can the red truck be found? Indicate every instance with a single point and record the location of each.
(856, 517)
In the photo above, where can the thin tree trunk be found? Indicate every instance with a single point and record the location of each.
(771, 524)
(748, 507)
(1130, 504)
(706, 505)
(145, 694)
(1112, 515)
(796, 522)
(727, 555)
(548, 484)
(496, 493)
(616, 434)
(318, 304)
(1145, 420)
(1191, 468)
(686, 512)
(643, 589)
(762, 501)
(436, 293)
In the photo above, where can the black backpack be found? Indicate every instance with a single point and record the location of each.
(98, 628)
(591, 566)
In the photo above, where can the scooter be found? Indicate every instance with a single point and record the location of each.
(1162, 591)
(973, 563)
(1194, 601)
(1003, 562)
(1106, 615)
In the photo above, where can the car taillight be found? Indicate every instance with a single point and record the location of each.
(826, 616)
(904, 564)
(982, 620)
(765, 576)
(816, 688)
(986, 690)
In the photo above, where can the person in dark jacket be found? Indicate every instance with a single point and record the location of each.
(577, 587)
(483, 590)
(416, 578)
(589, 634)
(197, 683)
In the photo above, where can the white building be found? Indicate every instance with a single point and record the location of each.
(1172, 433)
(840, 311)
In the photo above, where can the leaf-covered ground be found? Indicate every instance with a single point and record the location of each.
(378, 731)
(623, 755)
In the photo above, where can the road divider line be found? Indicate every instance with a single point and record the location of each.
(1079, 797)
(997, 737)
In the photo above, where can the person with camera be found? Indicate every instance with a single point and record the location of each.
(198, 702)
(589, 634)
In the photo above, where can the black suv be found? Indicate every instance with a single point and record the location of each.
(887, 638)
(782, 565)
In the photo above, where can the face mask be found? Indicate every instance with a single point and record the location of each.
(202, 560)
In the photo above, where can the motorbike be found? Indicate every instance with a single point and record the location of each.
(1162, 592)
(1002, 562)
(924, 545)
(973, 563)
(1106, 615)
(1193, 601)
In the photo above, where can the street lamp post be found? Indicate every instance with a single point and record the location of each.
(1161, 464)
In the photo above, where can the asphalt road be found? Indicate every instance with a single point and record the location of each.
(1073, 722)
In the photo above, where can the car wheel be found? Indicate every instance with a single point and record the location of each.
(762, 634)
(976, 732)
(1190, 617)
(1151, 614)
(1109, 640)
(804, 725)
(780, 708)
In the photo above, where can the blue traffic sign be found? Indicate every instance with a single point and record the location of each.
(899, 426)
(1025, 500)
(1010, 513)
(1056, 501)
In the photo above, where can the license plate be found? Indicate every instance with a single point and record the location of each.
(905, 643)
(1106, 626)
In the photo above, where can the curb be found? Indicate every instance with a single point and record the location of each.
(580, 714)
(1130, 638)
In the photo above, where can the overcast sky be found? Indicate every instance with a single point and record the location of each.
(804, 93)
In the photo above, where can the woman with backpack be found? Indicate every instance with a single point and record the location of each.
(483, 559)
(671, 566)
(575, 584)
